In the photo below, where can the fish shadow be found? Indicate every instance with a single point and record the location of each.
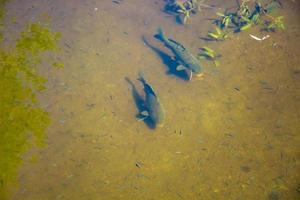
(167, 61)
(207, 39)
(140, 104)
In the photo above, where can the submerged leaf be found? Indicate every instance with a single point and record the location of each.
(218, 31)
(213, 35)
(208, 49)
(220, 14)
(245, 27)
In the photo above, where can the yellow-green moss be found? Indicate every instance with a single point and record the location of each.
(22, 121)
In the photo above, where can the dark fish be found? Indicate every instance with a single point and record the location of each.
(186, 60)
(153, 107)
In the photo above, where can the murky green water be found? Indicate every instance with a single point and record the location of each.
(235, 134)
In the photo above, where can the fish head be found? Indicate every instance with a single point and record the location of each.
(195, 67)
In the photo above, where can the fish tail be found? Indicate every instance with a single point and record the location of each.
(161, 34)
(142, 77)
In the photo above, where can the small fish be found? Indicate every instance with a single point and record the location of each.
(186, 60)
(154, 109)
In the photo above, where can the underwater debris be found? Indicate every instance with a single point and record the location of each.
(117, 1)
(259, 39)
(139, 164)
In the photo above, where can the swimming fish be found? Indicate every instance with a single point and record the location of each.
(154, 109)
(187, 61)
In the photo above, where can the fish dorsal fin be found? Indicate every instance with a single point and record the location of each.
(142, 115)
(149, 89)
(145, 113)
(178, 44)
(180, 68)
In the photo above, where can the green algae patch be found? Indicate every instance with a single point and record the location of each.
(22, 121)
(2, 4)
(37, 38)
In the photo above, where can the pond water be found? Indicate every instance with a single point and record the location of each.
(233, 134)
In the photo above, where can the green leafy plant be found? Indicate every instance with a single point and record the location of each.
(247, 23)
(218, 34)
(225, 20)
(209, 54)
(244, 10)
(242, 18)
(239, 19)
(183, 7)
(185, 12)
(276, 23)
(246, 17)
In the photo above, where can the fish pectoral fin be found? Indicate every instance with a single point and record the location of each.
(180, 68)
(144, 113)
(141, 117)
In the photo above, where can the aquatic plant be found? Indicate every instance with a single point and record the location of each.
(185, 12)
(20, 115)
(2, 4)
(209, 54)
(218, 34)
(225, 20)
(246, 24)
(243, 10)
(183, 7)
(174, 5)
(245, 17)
(276, 23)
